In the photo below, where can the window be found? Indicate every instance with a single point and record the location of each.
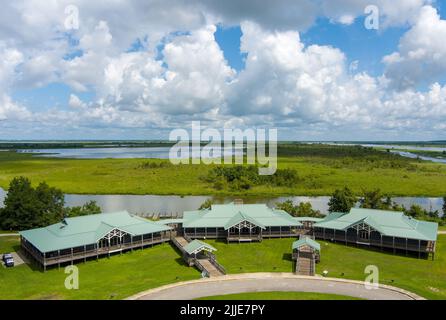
(363, 235)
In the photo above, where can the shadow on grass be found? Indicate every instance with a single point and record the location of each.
(287, 257)
(385, 251)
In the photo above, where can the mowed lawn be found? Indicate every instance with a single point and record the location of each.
(317, 176)
(8, 244)
(108, 278)
(278, 295)
(424, 277)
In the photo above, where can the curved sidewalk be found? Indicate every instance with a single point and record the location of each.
(258, 282)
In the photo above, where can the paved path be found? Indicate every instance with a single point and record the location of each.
(258, 282)
(9, 234)
(442, 232)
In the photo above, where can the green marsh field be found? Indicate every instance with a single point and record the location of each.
(320, 169)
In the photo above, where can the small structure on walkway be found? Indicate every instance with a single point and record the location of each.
(199, 254)
(197, 249)
(306, 252)
(308, 222)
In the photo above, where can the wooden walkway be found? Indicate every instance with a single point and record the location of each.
(305, 264)
(209, 268)
(203, 264)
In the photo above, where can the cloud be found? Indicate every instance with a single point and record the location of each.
(421, 56)
(179, 72)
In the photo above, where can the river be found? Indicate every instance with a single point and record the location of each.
(175, 205)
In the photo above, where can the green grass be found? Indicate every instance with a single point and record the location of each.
(114, 278)
(9, 244)
(278, 295)
(424, 277)
(320, 174)
(272, 255)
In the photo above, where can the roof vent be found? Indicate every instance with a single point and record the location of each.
(64, 223)
(238, 201)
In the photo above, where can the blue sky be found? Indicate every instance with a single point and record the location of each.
(141, 78)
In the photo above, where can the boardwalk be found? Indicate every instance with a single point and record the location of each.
(211, 270)
(202, 262)
(305, 263)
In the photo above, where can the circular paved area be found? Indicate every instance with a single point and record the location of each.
(258, 282)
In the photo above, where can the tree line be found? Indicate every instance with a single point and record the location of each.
(342, 200)
(28, 207)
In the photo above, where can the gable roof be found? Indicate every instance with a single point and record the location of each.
(224, 215)
(196, 246)
(240, 217)
(85, 230)
(306, 241)
(388, 223)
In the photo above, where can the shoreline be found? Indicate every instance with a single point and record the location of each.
(223, 195)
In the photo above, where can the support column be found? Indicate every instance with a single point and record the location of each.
(393, 244)
(72, 257)
(419, 248)
(85, 253)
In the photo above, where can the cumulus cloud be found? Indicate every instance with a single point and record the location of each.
(422, 55)
(179, 73)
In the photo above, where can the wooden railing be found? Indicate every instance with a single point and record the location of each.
(374, 242)
(200, 266)
(217, 265)
(93, 252)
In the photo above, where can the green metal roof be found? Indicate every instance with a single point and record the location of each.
(169, 221)
(310, 219)
(85, 230)
(306, 241)
(196, 246)
(223, 215)
(388, 223)
(240, 217)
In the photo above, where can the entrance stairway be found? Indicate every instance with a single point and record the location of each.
(204, 264)
(305, 264)
(209, 268)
